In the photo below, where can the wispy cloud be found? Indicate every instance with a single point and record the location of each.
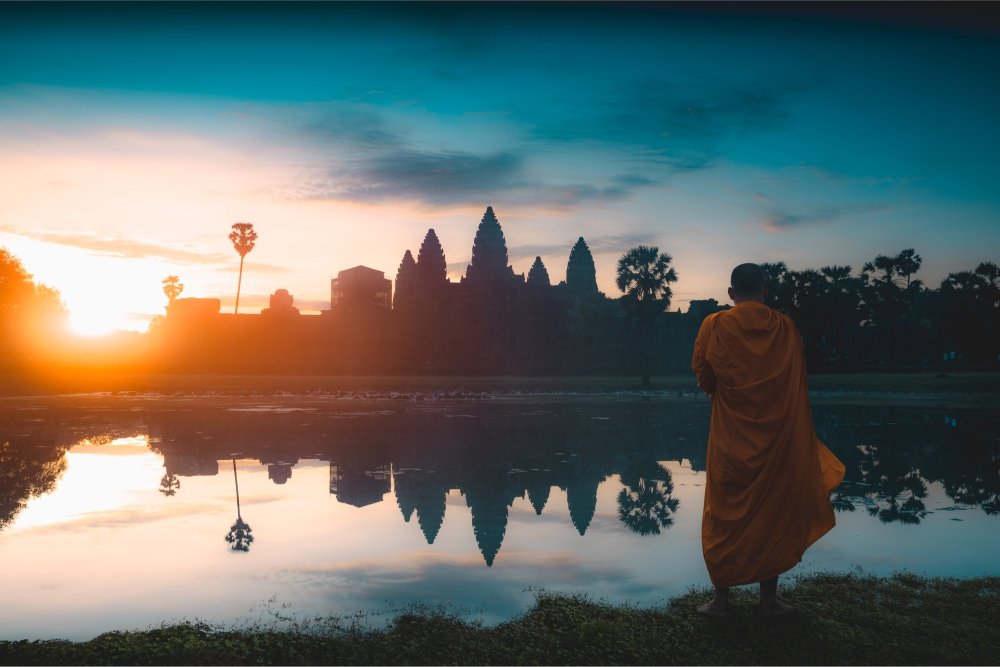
(112, 246)
(442, 177)
(780, 221)
(681, 126)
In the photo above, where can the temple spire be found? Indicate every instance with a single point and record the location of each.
(538, 275)
(581, 276)
(489, 252)
(431, 265)
(406, 280)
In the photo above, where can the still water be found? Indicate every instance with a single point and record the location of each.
(125, 512)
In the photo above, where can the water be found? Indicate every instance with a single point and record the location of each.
(114, 510)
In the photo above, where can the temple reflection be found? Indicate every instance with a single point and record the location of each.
(495, 454)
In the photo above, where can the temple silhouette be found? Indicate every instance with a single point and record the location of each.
(491, 321)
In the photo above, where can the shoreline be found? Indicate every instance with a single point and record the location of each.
(981, 388)
(842, 619)
(972, 382)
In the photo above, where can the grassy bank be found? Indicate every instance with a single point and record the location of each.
(843, 619)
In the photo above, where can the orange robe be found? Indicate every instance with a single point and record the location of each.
(768, 475)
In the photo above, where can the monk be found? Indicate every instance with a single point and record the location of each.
(768, 476)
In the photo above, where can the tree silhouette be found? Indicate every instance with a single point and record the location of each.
(169, 484)
(243, 238)
(644, 274)
(644, 503)
(29, 312)
(896, 488)
(239, 535)
(172, 288)
(25, 473)
(888, 292)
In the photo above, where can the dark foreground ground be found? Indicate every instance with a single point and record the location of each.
(843, 619)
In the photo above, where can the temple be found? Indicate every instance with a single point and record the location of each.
(490, 320)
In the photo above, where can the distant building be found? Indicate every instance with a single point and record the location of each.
(281, 304)
(360, 287)
(190, 308)
(357, 488)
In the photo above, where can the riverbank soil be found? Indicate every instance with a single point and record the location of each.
(842, 620)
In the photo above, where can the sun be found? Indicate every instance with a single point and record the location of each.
(94, 320)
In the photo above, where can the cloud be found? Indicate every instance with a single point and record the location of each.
(373, 154)
(442, 177)
(111, 246)
(780, 221)
(683, 127)
(599, 245)
(437, 177)
(463, 582)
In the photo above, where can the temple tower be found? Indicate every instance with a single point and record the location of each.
(432, 268)
(581, 276)
(538, 275)
(406, 280)
(489, 253)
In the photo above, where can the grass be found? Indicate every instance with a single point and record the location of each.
(843, 619)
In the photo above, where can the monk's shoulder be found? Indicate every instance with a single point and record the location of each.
(708, 324)
(786, 321)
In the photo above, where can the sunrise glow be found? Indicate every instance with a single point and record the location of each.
(112, 180)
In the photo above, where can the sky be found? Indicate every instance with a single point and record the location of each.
(132, 136)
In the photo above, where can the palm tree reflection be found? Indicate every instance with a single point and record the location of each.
(898, 489)
(169, 484)
(239, 535)
(645, 505)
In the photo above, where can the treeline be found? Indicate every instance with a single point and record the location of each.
(884, 318)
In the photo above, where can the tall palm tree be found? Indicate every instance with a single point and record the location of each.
(243, 237)
(239, 535)
(644, 274)
(172, 288)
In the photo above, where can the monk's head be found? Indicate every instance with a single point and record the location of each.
(746, 283)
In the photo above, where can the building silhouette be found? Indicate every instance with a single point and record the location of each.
(492, 320)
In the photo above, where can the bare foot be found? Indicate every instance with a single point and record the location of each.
(775, 607)
(713, 609)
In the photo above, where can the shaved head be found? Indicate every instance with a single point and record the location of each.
(747, 282)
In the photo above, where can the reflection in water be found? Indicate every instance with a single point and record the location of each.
(897, 490)
(239, 535)
(645, 505)
(26, 472)
(470, 502)
(496, 454)
(169, 485)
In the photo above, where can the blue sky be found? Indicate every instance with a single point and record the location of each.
(135, 134)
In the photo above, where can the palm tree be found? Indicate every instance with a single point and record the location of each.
(644, 274)
(169, 484)
(239, 535)
(172, 288)
(887, 296)
(645, 503)
(243, 237)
